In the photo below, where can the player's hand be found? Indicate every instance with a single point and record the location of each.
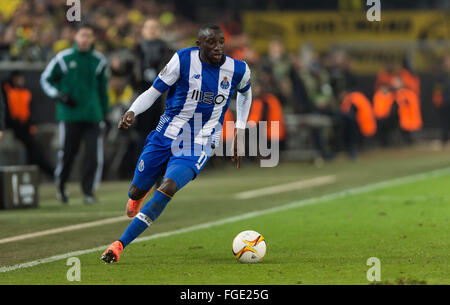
(238, 147)
(126, 120)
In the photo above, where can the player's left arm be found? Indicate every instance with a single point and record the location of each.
(243, 104)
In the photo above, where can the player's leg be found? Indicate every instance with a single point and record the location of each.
(176, 177)
(151, 164)
(180, 170)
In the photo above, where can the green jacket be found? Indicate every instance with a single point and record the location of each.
(83, 76)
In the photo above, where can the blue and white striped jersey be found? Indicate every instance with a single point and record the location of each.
(199, 94)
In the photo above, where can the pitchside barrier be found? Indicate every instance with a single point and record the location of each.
(19, 187)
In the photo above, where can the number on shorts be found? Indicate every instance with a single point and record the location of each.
(201, 160)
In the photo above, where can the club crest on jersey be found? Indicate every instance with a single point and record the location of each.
(224, 84)
(141, 166)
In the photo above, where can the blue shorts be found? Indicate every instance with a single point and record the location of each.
(157, 158)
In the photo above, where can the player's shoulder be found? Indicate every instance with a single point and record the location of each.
(187, 51)
(240, 66)
(238, 61)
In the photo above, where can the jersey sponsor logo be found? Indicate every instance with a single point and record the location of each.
(197, 76)
(224, 84)
(207, 97)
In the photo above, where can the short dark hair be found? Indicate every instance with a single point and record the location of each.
(208, 26)
(86, 26)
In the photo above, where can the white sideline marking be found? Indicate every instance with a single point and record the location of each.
(64, 229)
(298, 185)
(322, 199)
(244, 195)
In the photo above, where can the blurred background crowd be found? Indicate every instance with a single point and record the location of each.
(325, 103)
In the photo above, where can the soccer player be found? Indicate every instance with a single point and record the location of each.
(201, 81)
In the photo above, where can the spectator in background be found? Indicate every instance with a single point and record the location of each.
(17, 101)
(338, 65)
(409, 78)
(386, 74)
(396, 107)
(441, 99)
(267, 107)
(2, 118)
(151, 55)
(120, 93)
(358, 120)
(313, 78)
(385, 112)
(77, 79)
(393, 70)
(300, 100)
(279, 63)
(409, 112)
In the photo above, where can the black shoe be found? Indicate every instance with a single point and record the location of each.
(61, 195)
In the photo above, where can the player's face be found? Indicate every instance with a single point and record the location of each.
(212, 45)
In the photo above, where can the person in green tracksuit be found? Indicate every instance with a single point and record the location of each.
(76, 78)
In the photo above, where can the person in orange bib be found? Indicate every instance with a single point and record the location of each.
(18, 118)
(383, 101)
(358, 120)
(267, 107)
(409, 112)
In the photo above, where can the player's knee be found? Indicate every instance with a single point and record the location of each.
(169, 187)
(135, 193)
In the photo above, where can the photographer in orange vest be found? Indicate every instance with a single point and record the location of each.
(357, 118)
(267, 107)
(17, 100)
(383, 101)
(397, 107)
(409, 112)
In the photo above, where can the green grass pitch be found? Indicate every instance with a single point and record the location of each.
(404, 225)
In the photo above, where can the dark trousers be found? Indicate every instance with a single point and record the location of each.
(71, 135)
(35, 152)
(444, 113)
(351, 134)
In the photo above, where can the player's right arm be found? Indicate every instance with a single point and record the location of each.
(142, 103)
(165, 79)
(51, 78)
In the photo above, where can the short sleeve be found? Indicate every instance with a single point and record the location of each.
(245, 83)
(168, 75)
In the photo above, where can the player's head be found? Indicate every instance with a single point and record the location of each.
(151, 29)
(84, 37)
(211, 42)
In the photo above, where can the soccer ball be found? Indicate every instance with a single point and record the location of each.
(249, 247)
